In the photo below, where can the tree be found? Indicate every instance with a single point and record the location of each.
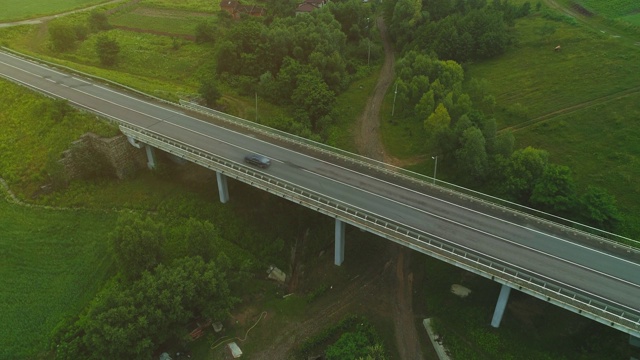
(598, 208)
(137, 244)
(313, 97)
(350, 346)
(107, 50)
(205, 32)
(471, 156)
(209, 92)
(98, 21)
(63, 36)
(523, 170)
(555, 191)
(438, 121)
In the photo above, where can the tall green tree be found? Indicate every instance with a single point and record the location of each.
(598, 208)
(107, 50)
(438, 121)
(62, 36)
(137, 244)
(472, 157)
(524, 168)
(555, 191)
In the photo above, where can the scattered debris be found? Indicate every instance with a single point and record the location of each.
(276, 274)
(235, 350)
(557, 48)
(460, 290)
(165, 356)
(436, 341)
(217, 326)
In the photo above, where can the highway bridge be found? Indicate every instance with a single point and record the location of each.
(580, 272)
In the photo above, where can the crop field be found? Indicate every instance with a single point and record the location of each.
(53, 263)
(192, 5)
(20, 9)
(160, 20)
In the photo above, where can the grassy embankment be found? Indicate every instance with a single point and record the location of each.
(53, 261)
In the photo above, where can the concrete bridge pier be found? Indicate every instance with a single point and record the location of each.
(339, 242)
(634, 344)
(223, 189)
(151, 157)
(501, 305)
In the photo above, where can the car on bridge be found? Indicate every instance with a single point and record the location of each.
(257, 160)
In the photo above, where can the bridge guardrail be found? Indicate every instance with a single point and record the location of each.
(423, 180)
(628, 320)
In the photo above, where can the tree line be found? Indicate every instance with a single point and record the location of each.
(456, 113)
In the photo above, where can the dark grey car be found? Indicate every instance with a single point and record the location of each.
(257, 160)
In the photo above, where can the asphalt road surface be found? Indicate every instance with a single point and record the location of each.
(552, 256)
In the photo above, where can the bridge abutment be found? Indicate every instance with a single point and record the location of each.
(501, 305)
(223, 189)
(339, 242)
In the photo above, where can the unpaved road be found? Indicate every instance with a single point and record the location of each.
(386, 286)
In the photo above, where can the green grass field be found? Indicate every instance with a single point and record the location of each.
(597, 75)
(160, 20)
(37, 137)
(53, 263)
(20, 9)
(611, 8)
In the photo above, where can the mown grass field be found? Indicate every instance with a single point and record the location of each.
(20, 9)
(53, 263)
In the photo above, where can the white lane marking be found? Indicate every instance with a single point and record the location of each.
(322, 161)
(476, 230)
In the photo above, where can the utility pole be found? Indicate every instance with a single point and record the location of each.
(256, 106)
(435, 168)
(395, 93)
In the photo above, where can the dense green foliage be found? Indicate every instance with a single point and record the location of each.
(107, 50)
(131, 320)
(53, 262)
(462, 30)
(352, 338)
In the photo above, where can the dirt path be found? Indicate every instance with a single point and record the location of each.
(369, 143)
(384, 286)
(573, 108)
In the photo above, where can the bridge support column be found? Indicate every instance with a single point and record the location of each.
(339, 243)
(151, 157)
(223, 190)
(634, 344)
(500, 306)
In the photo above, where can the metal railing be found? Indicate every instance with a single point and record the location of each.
(419, 179)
